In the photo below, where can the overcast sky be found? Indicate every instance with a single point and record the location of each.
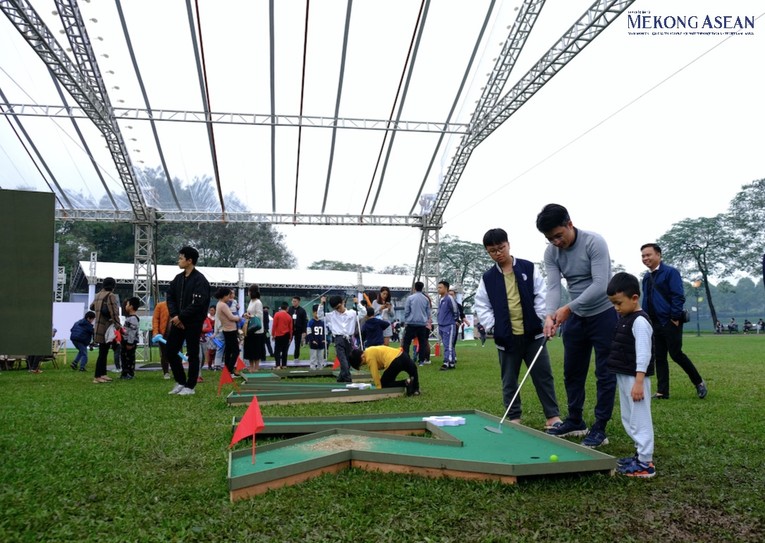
(635, 134)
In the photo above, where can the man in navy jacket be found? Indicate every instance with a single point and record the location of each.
(663, 299)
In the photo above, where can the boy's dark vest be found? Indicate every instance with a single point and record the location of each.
(494, 281)
(622, 357)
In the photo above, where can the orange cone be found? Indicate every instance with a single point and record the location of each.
(438, 349)
(336, 364)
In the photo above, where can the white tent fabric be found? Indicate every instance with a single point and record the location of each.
(265, 278)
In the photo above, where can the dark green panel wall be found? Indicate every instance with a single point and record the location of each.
(26, 272)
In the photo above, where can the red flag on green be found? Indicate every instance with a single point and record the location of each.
(225, 377)
(239, 364)
(251, 424)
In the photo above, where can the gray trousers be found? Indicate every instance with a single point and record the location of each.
(510, 366)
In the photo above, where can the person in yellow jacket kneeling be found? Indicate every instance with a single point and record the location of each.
(385, 364)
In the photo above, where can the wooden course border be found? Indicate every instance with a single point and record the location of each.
(287, 397)
(374, 442)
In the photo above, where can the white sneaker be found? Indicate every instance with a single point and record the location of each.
(186, 392)
(167, 376)
(426, 362)
(177, 389)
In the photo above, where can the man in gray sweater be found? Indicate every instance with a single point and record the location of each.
(416, 317)
(582, 258)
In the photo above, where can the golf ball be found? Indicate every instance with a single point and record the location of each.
(553, 458)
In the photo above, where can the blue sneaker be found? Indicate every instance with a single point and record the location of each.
(638, 469)
(568, 428)
(626, 460)
(595, 438)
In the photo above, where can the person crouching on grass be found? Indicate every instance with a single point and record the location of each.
(391, 361)
(632, 360)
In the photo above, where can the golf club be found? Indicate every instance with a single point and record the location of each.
(498, 429)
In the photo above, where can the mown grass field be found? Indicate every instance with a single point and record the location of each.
(126, 462)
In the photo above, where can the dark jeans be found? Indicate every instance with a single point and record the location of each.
(175, 338)
(669, 339)
(421, 333)
(580, 336)
(298, 340)
(82, 354)
(343, 348)
(163, 358)
(402, 363)
(510, 363)
(281, 348)
(103, 353)
(230, 350)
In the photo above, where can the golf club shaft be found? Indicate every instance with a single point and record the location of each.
(518, 391)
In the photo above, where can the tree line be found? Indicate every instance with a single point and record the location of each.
(730, 244)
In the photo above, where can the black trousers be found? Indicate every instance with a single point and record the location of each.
(128, 358)
(175, 338)
(281, 348)
(668, 339)
(401, 364)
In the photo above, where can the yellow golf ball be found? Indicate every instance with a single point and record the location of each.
(553, 458)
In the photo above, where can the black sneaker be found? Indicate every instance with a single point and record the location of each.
(444, 366)
(73, 366)
(701, 390)
(567, 428)
(452, 366)
(659, 396)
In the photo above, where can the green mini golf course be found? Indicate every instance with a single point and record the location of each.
(332, 393)
(387, 443)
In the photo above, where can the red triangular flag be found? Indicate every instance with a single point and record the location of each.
(225, 377)
(239, 364)
(251, 423)
(336, 364)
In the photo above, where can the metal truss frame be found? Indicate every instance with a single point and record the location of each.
(256, 119)
(101, 215)
(492, 112)
(83, 81)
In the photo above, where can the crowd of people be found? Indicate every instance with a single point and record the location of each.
(518, 306)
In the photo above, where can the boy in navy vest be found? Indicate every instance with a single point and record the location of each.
(511, 299)
(631, 359)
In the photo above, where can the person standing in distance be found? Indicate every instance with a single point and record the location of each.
(416, 317)
(299, 324)
(588, 320)
(187, 300)
(663, 298)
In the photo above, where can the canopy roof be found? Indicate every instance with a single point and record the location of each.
(268, 107)
(265, 278)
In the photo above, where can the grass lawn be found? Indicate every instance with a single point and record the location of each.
(125, 461)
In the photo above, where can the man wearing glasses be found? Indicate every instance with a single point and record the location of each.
(582, 258)
(511, 299)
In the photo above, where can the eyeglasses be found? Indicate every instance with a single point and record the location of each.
(497, 250)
